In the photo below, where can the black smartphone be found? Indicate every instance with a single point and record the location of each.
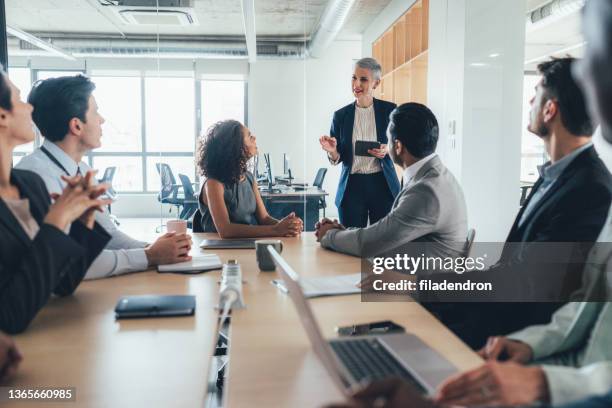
(362, 147)
(383, 327)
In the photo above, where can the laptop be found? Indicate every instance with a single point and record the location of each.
(351, 360)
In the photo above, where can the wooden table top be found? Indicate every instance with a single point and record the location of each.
(164, 362)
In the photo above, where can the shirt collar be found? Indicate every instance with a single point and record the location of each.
(66, 161)
(551, 171)
(413, 169)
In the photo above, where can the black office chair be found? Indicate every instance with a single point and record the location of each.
(109, 175)
(190, 201)
(196, 222)
(168, 192)
(469, 242)
(318, 183)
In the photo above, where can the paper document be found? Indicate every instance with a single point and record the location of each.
(198, 263)
(326, 285)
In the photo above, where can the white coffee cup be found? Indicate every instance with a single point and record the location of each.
(178, 226)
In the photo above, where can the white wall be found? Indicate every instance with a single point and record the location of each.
(291, 104)
(478, 106)
(477, 93)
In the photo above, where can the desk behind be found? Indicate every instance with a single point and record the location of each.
(305, 203)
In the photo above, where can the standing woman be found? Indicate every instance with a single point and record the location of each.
(45, 248)
(368, 184)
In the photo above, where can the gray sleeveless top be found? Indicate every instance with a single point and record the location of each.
(240, 203)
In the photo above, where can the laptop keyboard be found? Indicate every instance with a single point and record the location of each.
(367, 359)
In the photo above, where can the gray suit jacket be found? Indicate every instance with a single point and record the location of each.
(575, 348)
(429, 209)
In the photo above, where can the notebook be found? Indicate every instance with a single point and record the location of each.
(228, 244)
(154, 306)
(325, 286)
(200, 263)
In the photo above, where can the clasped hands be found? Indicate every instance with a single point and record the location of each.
(325, 225)
(80, 200)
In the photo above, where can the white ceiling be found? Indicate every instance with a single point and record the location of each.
(285, 18)
(561, 37)
(274, 18)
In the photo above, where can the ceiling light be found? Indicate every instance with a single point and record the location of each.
(47, 46)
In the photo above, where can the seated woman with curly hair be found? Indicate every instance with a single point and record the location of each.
(230, 202)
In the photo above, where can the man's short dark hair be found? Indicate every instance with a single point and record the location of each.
(57, 101)
(416, 127)
(559, 84)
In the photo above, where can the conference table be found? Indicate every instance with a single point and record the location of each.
(165, 362)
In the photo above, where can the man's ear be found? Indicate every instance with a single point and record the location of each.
(397, 147)
(75, 126)
(4, 118)
(376, 84)
(550, 110)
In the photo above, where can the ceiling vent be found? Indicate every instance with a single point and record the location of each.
(155, 12)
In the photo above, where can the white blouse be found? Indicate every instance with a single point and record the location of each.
(21, 210)
(364, 128)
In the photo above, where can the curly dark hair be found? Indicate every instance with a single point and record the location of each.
(221, 152)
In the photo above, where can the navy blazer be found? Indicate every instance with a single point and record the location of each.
(342, 130)
(53, 263)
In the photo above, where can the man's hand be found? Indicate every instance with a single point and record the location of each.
(495, 384)
(10, 357)
(379, 153)
(170, 248)
(395, 393)
(325, 225)
(78, 199)
(502, 348)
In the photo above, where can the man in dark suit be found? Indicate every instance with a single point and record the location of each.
(568, 204)
(368, 184)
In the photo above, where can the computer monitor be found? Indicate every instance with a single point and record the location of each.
(286, 168)
(269, 172)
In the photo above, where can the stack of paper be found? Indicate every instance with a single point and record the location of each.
(198, 263)
(327, 285)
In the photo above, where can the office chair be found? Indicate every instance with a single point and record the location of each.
(109, 175)
(318, 183)
(196, 222)
(471, 235)
(168, 192)
(190, 201)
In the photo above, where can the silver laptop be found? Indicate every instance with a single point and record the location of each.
(352, 360)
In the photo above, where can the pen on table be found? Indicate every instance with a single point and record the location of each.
(279, 285)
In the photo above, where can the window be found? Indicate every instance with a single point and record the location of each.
(532, 147)
(128, 177)
(22, 79)
(170, 114)
(55, 73)
(136, 136)
(222, 100)
(118, 100)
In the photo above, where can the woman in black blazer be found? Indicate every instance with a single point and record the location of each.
(38, 257)
(368, 184)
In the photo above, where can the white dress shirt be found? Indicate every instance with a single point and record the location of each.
(413, 169)
(122, 254)
(364, 129)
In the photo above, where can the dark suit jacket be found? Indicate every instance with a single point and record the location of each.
(53, 263)
(574, 211)
(342, 130)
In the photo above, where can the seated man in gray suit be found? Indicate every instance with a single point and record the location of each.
(430, 207)
(573, 351)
